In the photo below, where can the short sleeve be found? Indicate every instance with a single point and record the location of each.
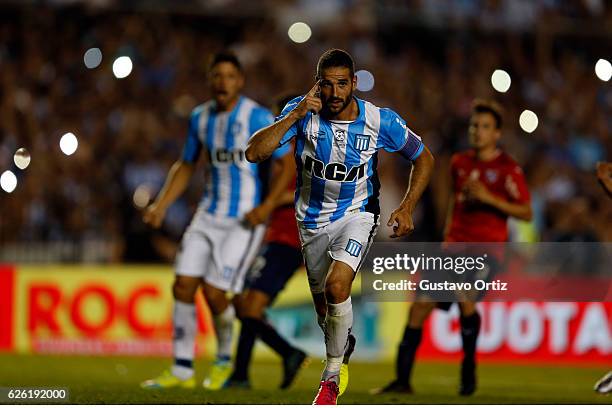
(516, 186)
(281, 151)
(193, 145)
(260, 118)
(293, 130)
(395, 136)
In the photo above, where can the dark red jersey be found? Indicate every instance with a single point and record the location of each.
(282, 227)
(477, 222)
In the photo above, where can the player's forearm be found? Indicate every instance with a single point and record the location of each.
(176, 183)
(280, 180)
(421, 173)
(287, 197)
(520, 211)
(263, 143)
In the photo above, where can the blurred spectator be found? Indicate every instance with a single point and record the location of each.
(429, 60)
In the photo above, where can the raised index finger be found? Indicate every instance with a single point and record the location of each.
(315, 89)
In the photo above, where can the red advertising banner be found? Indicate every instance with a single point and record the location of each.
(127, 310)
(577, 332)
(7, 290)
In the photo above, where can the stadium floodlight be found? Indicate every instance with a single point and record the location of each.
(365, 80)
(92, 58)
(528, 121)
(603, 69)
(299, 32)
(22, 158)
(500, 80)
(8, 181)
(69, 144)
(122, 67)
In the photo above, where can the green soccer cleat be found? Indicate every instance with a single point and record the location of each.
(344, 378)
(168, 380)
(344, 371)
(218, 376)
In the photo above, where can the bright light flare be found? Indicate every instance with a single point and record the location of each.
(528, 121)
(69, 144)
(122, 67)
(92, 58)
(603, 70)
(500, 80)
(22, 158)
(8, 181)
(365, 80)
(299, 32)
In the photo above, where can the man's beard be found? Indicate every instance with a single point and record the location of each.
(345, 103)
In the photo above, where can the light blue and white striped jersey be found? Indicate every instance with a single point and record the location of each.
(336, 160)
(233, 185)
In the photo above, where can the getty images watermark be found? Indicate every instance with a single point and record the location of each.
(460, 265)
(450, 272)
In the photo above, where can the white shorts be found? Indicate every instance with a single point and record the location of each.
(219, 250)
(347, 240)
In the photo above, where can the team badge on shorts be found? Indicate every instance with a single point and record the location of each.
(353, 247)
(362, 142)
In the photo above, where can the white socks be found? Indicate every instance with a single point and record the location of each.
(224, 327)
(184, 323)
(338, 321)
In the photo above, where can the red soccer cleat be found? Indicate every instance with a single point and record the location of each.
(328, 394)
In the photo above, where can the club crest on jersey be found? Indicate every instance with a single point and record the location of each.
(362, 142)
(236, 128)
(491, 175)
(339, 135)
(333, 171)
(353, 247)
(320, 135)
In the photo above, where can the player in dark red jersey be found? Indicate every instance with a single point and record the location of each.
(488, 187)
(280, 258)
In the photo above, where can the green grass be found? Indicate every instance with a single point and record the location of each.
(115, 380)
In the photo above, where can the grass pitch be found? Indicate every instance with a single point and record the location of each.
(114, 380)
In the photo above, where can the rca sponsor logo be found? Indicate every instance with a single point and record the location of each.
(334, 171)
(228, 156)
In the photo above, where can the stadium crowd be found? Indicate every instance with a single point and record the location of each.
(130, 130)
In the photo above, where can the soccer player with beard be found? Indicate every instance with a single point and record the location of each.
(219, 245)
(488, 187)
(337, 138)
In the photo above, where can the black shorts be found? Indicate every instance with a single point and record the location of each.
(273, 268)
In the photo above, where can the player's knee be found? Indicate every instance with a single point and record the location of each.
(216, 299)
(337, 291)
(419, 311)
(251, 310)
(184, 290)
(252, 304)
(467, 308)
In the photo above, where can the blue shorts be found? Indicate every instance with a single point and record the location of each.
(273, 268)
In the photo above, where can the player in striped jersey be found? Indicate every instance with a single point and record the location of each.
(219, 244)
(337, 139)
